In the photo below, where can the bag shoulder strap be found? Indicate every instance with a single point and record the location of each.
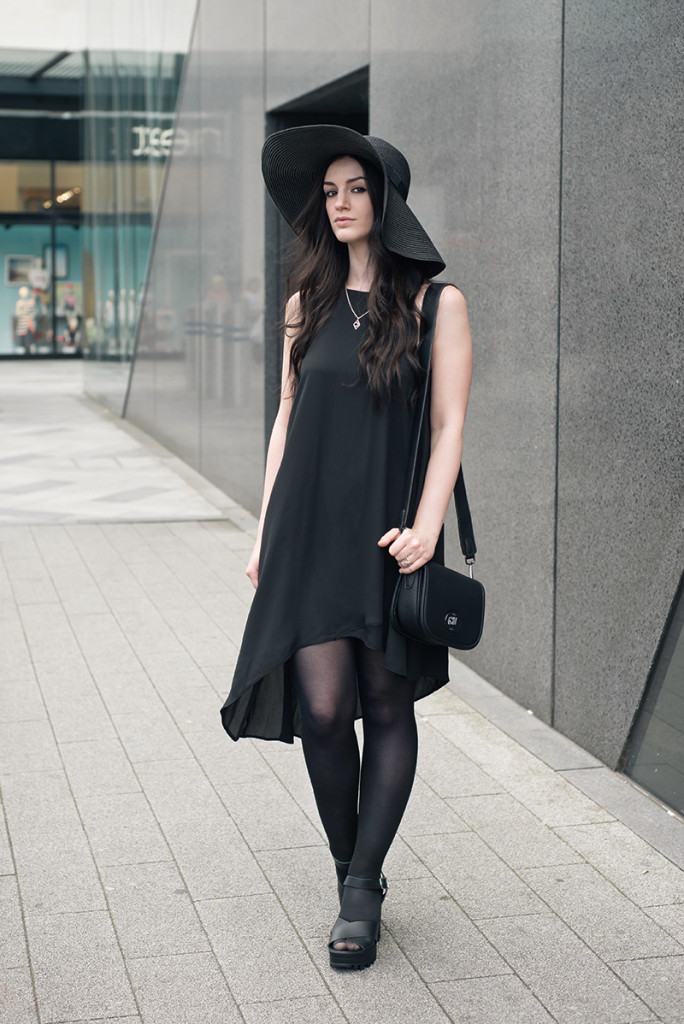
(465, 522)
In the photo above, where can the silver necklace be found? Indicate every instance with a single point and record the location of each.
(357, 322)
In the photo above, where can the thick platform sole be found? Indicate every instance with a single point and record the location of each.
(354, 959)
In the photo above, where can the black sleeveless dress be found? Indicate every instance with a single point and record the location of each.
(322, 575)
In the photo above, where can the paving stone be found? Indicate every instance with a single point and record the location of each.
(12, 940)
(214, 859)
(6, 860)
(443, 701)
(435, 935)
(78, 968)
(478, 739)
(27, 746)
(152, 911)
(122, 829)
(179, 791)
(631, 864)
(516, 835)
(634, 808)
(305, 882)
(546, 793)
(267, 815)
(17, 1001)
(448, 771)
(34, 591)
(259, 951)
(490, 1001)
(551, 960)
(671, 918)
(185, 989)
(482, 885)
(152, 737)
(54, 865)
(127, 693)
(606, 920)
(659, 982)
(313, 1010)
(389, 991)
(20, 696)
(429, 814)
(77, 719)
(98, 768)
(103, 642)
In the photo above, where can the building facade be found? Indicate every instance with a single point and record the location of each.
(541, 143)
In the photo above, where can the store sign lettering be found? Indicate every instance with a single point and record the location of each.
(148, 141)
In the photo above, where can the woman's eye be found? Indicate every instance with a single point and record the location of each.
(330, 193)
(358, 188)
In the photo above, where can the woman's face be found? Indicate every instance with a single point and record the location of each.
(347, 200)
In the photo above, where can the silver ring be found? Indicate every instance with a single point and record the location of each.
(406, 561)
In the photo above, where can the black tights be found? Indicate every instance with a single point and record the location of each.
(360, 803)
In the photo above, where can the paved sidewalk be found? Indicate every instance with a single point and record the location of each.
(153, 872)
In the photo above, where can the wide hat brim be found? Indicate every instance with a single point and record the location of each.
(293, 162)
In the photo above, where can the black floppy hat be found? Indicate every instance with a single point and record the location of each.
(293, 162)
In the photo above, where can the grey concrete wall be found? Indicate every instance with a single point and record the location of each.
(472, 96)
(620, 495)
(540, 136)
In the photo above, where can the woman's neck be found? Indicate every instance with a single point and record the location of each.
(360, 276)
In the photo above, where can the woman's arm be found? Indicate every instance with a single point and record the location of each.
(276, 444)
(452, 363)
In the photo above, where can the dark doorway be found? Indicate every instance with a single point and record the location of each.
(345, 102)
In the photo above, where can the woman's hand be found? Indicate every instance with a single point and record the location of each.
(252, 569)
(410, 549)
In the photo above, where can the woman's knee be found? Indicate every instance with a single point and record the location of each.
(326, 720)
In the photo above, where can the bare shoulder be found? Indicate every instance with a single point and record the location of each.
(292, 307)
(452, 302)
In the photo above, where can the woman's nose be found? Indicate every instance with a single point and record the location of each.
(341, 200)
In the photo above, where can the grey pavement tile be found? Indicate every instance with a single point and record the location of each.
(267, 815)
(390, 990)
(402, 862)
(659, 982)
(6, 859)
(607, 921)
(54, 865)
(179, 791)
(478, 739)
(259, 951)
(490, 1001)
(516, 835)
(214, 859)
(103, 643)
(77, 590)
(184, 989)
(312, 1010)
(287, 762)
(550, 746)
(17, 1001)
(550, 959)
(126, 693)
(78, 968)
(28, 746)
(34, 591)
(122, 829)
(429, 814)
(151, 737)
(107, 1020)
(634, 808)
(98, 768)
(446, 769)
(12, 938)
(435, 935)
(671, 918)
(305, 882)
(479, 881)
(632, 865)
(152, 911)
(78, 719)
(65, 680)
(443, 702)
(20, 696)
(546, 793)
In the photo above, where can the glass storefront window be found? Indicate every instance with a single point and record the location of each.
(25, 186)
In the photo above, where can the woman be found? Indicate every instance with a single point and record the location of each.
(318, 649)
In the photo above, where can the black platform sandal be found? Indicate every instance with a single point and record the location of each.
(341, 867)
(364, 934)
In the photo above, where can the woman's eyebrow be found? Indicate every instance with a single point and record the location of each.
(359, 177)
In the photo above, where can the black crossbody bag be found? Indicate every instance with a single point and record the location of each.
(436, 605)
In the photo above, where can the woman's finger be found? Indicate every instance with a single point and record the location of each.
(388, 537)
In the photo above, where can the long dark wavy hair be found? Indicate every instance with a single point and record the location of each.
(318, 265)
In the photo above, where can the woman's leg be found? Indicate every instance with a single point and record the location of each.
(326, 689)
(390, 750)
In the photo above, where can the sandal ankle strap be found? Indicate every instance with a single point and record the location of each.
(379, 884)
